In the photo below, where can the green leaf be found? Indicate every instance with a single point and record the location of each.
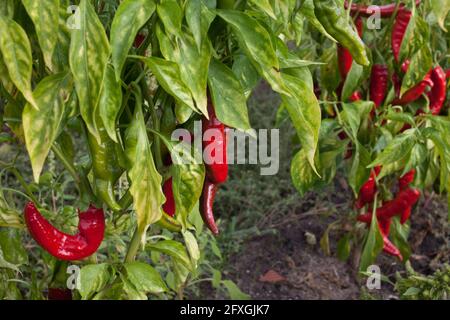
(193, 64)
(307, 10)
(41, 127)
(344, 248)
(441, 8)
(265, 6)
(353, 81)
(192, 247)
(199, 19)
(7, 8)
(129, 18)
(145, 179)
(234, 291)
(359, 173)
(93, 278)
(171, 15)
(11, 245)
(228, 97)
(88, 57)
(302, 174)
(246, 73)
(168, 75)
(174, 249)
(110, 103)
(399, 148)
(16, 50)
(305, 114)
(420, 65)
(373, 245)
(145, 278)
(252, 37)
(355, 113)
(45, 17)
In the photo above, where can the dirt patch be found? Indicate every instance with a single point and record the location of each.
(294, 253)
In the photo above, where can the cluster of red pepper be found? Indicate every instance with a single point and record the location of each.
(216, 172)
(400, 206)
(436, 80)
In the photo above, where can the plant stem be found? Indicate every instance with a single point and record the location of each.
(156, 124)
(134, 246)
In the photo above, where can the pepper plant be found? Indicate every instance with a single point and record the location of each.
(387, 125)
(117, 77)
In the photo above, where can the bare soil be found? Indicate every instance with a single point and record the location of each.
(310, 274)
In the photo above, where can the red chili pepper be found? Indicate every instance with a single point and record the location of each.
(385, 228)
(369, 189)
(207, 206)
(398, 31)
(405, 181)
(386, 11)
(91, 230)
(169, 205)
(139, 40)
(414, 93)
(217, 171)
(438, 92)
(391, 249)
(379, 84)
(356, 96)
(403, 184)
(447, 73)
(406, 198)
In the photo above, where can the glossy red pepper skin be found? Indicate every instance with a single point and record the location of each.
(139, 40)
(416, 92)
(438, 92)
(207, 206)
(403, 184)
(91, 230)
(405, 199)
(385, 228)
(368, 190)
(379, 84)
(405, 181)
(217, 172)
(398, 31)
(169, 206)
(386, 11)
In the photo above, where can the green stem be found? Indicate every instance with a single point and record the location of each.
(66, 163)
(134, 246)
(24, 185)
(156, 124)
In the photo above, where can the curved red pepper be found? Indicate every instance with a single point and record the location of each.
(217, 172)
(385, 228)
(386, 11)
(398, 31)
(414, 93)
(405, 181)
(207, 206)
(438, 92)
(369, 189)
(91, 230)
(406, 198)
(169, 205)
(403, 184)
(139, 40)
(379, 84)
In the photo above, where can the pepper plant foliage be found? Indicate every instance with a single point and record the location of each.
(121, 76)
